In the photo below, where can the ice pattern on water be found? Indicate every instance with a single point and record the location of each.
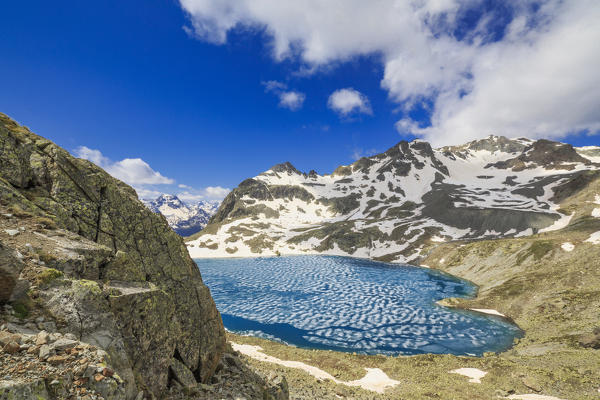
(349, 304)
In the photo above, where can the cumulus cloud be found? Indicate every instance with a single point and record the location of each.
(533, 75)
(348, 101)
(133, 171)
(148, 183)
(209, 193)
(290, 99)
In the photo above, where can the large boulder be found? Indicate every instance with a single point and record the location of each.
(133, 245)
(10, 268)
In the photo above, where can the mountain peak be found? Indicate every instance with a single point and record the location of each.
(183, 218)
(285, 167)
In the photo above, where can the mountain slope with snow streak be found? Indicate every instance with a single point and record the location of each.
(395, 206)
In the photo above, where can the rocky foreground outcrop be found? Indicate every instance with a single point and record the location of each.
(81, 255)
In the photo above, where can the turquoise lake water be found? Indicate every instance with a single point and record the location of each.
(350, 304)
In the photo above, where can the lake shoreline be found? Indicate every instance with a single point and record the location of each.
(539, 359)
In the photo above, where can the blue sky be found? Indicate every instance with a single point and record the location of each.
(184, 86)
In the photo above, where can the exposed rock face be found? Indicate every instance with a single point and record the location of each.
(10, 268)
(398, 205)
(124, 280)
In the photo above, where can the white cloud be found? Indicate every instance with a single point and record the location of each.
(537, 80)
(208, 193)
(360, 153)
(148, 183)
(271, 86)
(133, 171)
(348, 101)
(92, 155)
(147, 194)
(290, 99)
(137, 172)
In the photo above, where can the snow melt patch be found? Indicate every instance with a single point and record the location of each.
(375, 379)
(594, 238)
(532, 397)
(560, 223)
(596, 211)
(488, 311)
(567, 246)
(473, 373)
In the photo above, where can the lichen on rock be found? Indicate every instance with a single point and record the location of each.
(108, 239)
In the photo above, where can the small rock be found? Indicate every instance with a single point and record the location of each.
(56, 360)
(591, 340)
(70, 336)
(108, 372)
(7, 337)
(99, 377)
(41, 338)
(63, 344)
(45, 352)
(231, 360)
(12, 232)
(90, 370)
(79, 370)
(11, 348)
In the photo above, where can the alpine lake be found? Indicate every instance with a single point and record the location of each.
(352, 305)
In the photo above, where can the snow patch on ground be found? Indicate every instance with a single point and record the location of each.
(567, 246)
(374, 380)
(532, 397)
(560, 223)
(594, 238)
(488, 311)
(473, 373)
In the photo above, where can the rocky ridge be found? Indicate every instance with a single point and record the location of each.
(398, 205)
(82, 259)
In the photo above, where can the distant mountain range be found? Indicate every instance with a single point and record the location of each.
(185, 219)
(397, 205)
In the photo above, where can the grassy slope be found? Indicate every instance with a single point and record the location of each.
(553, 295)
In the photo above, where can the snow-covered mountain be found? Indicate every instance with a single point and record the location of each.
(183, 218)
(397, 205)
